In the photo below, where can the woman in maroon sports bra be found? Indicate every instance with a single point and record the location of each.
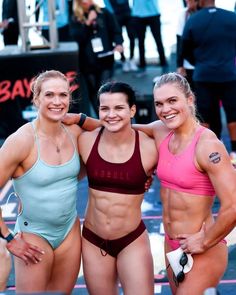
(118, 159)
(193, 167)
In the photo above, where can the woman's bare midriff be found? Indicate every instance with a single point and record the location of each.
(112, 215)
(184, 213)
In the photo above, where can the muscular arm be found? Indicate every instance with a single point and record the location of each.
(155, 129)
(12, 154)
(91, 124)
(88, 125)
(146, 128)
(14, 151)
(214, 160)
(152, 129)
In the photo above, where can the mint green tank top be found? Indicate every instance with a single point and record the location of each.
(48, 196)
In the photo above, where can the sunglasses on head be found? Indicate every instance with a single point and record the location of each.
(181, 275)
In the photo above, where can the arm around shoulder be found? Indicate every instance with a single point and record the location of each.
(82, 120)
(149, 129)
(89, 123)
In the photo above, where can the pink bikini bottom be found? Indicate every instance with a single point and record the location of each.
(174, 244)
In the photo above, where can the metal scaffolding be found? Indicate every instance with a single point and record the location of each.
(28, 20)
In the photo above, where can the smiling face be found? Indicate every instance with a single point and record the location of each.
(172, 106)
(53, 99)
(114, 111)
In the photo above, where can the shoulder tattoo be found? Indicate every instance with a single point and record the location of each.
(215, 157)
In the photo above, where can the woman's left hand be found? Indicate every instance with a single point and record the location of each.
(193, 243)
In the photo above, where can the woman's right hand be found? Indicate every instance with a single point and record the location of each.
(24, 250)
(92, 16)
(193, 243)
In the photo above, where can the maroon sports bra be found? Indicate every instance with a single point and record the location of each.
(124, 178)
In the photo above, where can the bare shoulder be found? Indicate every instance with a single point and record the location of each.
(210, 151)
(86, 141)
(145, 139)
(213, 159)
(89, 135)
(148, 148)
(74, 129)
(16, 148)
(21, 140)
(160, 131)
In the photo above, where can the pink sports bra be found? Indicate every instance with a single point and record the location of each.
(179, 173)
(125, 178)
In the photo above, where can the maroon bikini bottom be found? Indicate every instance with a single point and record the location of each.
(113, 247)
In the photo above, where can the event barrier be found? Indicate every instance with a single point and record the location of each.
(18, 69)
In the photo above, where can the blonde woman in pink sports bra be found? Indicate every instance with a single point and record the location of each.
(193, 168)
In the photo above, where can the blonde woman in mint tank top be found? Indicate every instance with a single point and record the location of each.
(42, 159)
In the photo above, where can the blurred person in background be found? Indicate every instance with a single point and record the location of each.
(98, 35)
(183, 66)
(213, 55)
(62, 14)
(122, 11)
(147, 14)
(186, 69)
(10, 24)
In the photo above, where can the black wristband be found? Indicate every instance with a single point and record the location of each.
(8, 238)
(82, 120)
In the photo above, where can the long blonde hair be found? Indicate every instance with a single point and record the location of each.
(78, 11)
